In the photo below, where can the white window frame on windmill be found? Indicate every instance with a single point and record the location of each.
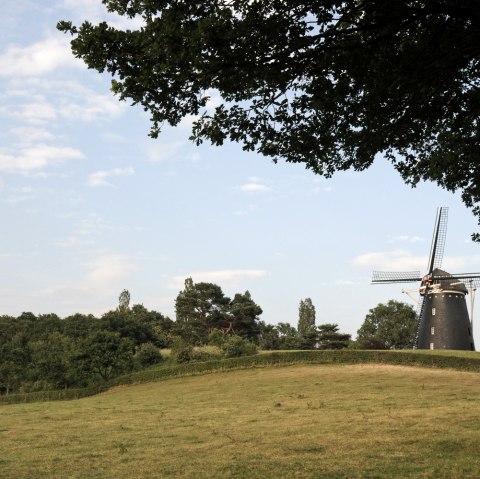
(432, 330)
(433, 311)
(432, 346)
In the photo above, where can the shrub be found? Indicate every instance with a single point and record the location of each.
(216, 338)
(235, 346)
(147, 355)
(206, 353)
(181, 351)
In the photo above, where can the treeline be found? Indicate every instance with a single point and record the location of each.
(47, 352)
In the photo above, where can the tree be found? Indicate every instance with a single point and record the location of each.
(147, 355)
(288, 336)
(80, 325)
(330, 84)
(394, 323)
(128, 326)
(124, 300)
(330, 338)
(52, 361)
(269, 337)
(242, 316)
(199, 308)
(105, 354)
(306, 318)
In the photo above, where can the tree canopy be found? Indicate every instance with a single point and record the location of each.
(330, 84)
(388, 326)
(202, 307)
(306, 317)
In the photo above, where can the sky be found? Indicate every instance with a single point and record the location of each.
(90, 205)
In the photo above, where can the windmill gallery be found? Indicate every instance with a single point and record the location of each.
(443, 319)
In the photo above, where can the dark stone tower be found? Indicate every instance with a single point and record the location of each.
(445, 323)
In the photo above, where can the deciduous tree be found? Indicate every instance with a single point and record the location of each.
(306, 318)
(394, 323)
(330, 84)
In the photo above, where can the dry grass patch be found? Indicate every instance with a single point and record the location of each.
(304, 421)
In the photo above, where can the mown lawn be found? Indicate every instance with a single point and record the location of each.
(303, 421)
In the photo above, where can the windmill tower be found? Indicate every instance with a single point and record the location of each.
(443, 319)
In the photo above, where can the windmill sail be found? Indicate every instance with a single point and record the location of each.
(438, 240)
(419, 313)
(395, 277)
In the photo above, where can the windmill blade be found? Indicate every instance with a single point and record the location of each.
(380, 277)
(470, 280)
(438, 240)
(419, 312)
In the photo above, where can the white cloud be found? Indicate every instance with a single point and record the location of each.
(164, 151)
(248, 187)
(407, 239)
(38, 59)
(344, 282)
(223, 276)
(109, 268)
(99, 178)
(71, 242)
(37, 157)
(398, 260)
(37, 113)
(254, 185)
(94, 106)
(461, 264)
(29, 135)
(19, 195)
(92, 225)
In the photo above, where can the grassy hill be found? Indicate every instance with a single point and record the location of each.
(305, 420)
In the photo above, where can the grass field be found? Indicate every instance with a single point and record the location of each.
(303, 421)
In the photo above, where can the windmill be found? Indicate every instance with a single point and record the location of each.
(443, 320)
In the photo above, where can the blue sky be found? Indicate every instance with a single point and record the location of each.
(91, 205)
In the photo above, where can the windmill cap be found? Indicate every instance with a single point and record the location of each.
(448, 281)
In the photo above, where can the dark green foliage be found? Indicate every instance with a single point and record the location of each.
(53, 362)
(105, 354)
(125, 323)
(181, 351)
(124, 300)
(80, 325)
(269, 337)
(216, 337)
(287, 337)
(235, 346)
(330, 338)
(202, 307)
(306, 318)
(243, 316)
(47, 352)
(388, 326)
(328, 84)
(148, 355)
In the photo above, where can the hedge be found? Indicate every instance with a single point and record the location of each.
(449, 360)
